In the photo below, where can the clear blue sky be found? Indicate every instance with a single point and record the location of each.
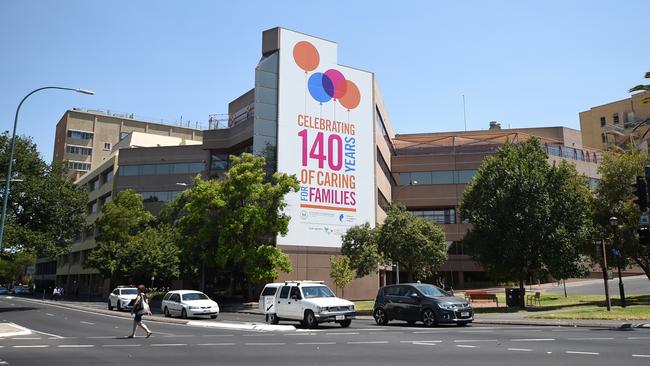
(523, 63)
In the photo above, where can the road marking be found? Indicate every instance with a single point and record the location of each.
(217, 335)
(258, 335)
(465, 346)
(104, 337)
(582, 353)
(369, 342)
(436, 341)
(76, 345)
(341, 333)
(48, 314)
(314, 343)
(48, 334)
(215, 344)
(264, 344)
(178, 336)
(168, 344)
(33, 346)
(89, 323)
(2, 362)
(474, 340)
(121, 345)
(638, 337)
(386, 333)
(589, 339)
(300, 334)
(647, 356)
(432, 331)
(532, 339)
(520, 349)
(26, 338)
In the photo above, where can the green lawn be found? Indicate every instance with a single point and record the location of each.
(630, 313)
(585, 307)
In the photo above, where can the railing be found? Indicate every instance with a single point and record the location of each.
(119, 114)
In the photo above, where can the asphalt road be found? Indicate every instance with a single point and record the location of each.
(62, 336)
(636, 285)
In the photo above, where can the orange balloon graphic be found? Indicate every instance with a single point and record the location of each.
(352, 96)
(306, 56)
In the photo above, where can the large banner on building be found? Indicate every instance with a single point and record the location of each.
(325, 138)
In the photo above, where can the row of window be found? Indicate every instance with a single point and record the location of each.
(80, 135)
(95, 206)
(440, 216)
(161, 169)
(571, 153)
(79, 150)
(159, 196)
(105, 177)
(77, 165)
(436, 177)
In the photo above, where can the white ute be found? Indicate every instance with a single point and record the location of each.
(310, 302)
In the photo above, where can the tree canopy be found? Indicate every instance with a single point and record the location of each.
(45, 211)
(527, 216)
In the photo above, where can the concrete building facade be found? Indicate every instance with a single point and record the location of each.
(84, 137)
(617, 123)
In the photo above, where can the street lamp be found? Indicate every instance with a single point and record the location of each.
(613, 222)
(11, 153)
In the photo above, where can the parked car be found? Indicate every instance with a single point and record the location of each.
(188, 303)
(267, 298)
(121, 297)
(413, 302)
(21, 290)
(311, 302)
(4, 291)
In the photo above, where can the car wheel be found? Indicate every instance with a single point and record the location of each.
(119, 305)
(184, 314)
(429, 318)
(213, 317)
(110, 307)
(167, 314)
(310, 319)
(462, 324)
(381, 318)
(273, 319)
(345, 323)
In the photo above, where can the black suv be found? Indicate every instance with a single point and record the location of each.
(414, 302)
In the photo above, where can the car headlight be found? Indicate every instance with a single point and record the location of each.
(447, 306)
(318, 309)
(192, 307)
(351, 307)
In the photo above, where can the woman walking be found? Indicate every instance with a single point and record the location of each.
(140, 308)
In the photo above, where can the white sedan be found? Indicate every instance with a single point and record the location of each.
(121, 298)
(188, 303)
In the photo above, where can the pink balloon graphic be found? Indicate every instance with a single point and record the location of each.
(338, 81)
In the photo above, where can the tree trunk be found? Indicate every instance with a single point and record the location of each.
(564, 283)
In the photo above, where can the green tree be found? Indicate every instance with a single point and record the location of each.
(614, 197)
(232, 223)
(14, 265)
(45, 211)
(418, 245)
(359, 244)
(122, 221)
(643, 87)
(527, 217)
(155, 251)
(341, 272)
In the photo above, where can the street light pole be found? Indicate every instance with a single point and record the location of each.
(608, 302)
(621, 288)
(11, 153)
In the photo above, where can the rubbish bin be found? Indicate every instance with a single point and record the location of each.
(515, 297)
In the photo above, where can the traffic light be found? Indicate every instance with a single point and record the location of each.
(641, 193)
(644, 235)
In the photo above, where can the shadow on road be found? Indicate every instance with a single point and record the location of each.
(16, 308)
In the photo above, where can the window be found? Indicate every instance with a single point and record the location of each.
(107, 145)
(195, 167)
(421, 177)
(219, 161)
(127, 170)
(78, 150)
(295, 293)
(195, 296)
(603, 121)
(269, 291)
(90, 232)
(93, 185)
(92, 207)
(108, 176)
(175, 298)
(392, 290)
(439, 216)
(464, 176)
(384, 168)
(442, 177)
(603, 137)
(161, 169)
(148, 169)
(80, 135)
(382, 201)
(317, 291)
(77, 165)
(284, 292)
(615, 118)
(124, 135)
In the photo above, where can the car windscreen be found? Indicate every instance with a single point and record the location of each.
(194, 296)
(317, 291)
(430, 290)
(129, 291)
(269, 291)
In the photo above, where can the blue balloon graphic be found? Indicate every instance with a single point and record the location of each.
(318, 85)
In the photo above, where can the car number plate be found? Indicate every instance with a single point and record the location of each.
(340, 317)
(464, 313)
